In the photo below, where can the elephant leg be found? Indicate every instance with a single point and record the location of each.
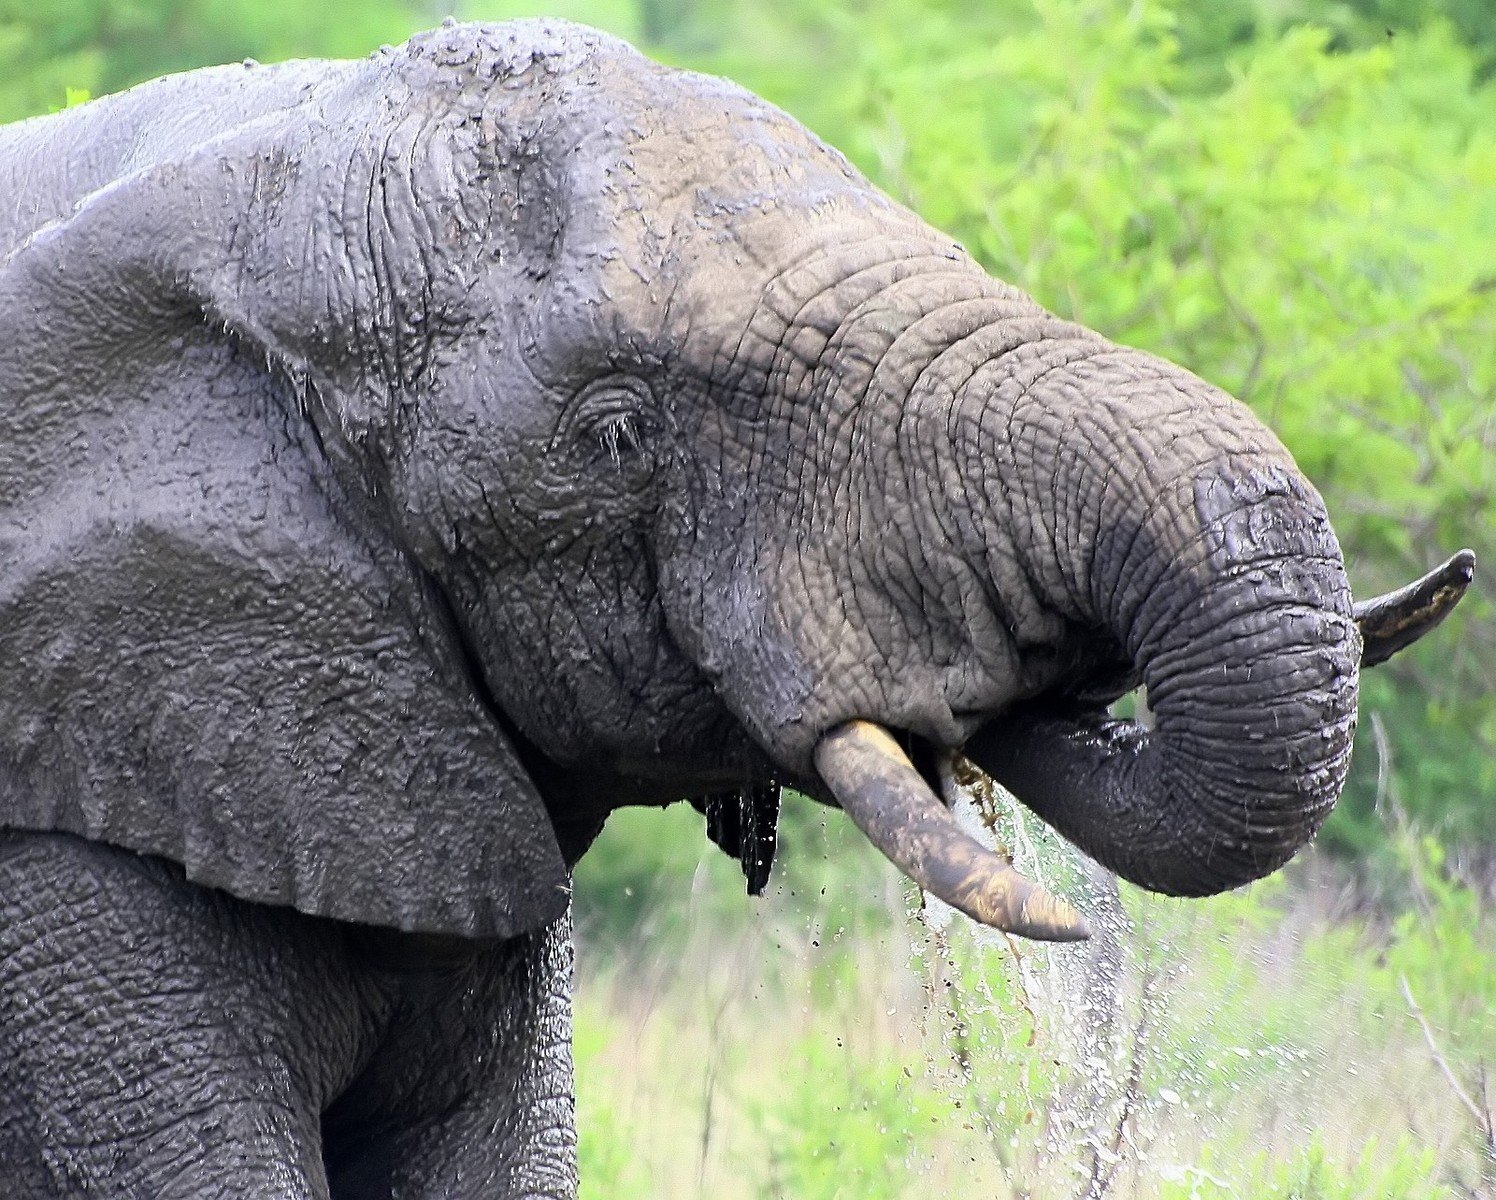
(471, 1095)
(162, 1039)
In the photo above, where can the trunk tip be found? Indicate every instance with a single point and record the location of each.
(1395, 621)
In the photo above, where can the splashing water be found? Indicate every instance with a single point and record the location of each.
(1071, 1009)
(1109, 1067)
(818, 1045)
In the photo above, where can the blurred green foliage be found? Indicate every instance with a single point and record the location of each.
(100, 46)
(1297, 200)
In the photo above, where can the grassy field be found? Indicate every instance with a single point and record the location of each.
(834, 1040)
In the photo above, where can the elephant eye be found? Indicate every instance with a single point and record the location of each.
(610, 422)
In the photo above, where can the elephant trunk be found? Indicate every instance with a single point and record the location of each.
(1193, 548)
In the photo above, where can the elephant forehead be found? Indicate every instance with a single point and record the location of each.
(719, 190)
(500, 52)
(680, 193)
(636, 201)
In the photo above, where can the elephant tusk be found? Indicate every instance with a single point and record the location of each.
(877, 785)
(1392, 622)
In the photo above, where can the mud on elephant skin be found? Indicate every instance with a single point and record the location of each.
(405, 462)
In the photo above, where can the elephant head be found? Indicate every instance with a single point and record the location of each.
(428, 454)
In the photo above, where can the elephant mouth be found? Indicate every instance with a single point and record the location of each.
(889, 800)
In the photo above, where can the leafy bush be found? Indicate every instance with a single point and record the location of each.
(48, 46)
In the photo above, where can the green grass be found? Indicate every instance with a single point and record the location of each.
(1259, 1044)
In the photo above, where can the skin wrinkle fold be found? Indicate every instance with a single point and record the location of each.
(421, 148)
(963, 344)
(386, 349)
(948, 601)
(787, 325)
(401, 375)
(877, 506)
(1043, 618)
(1238, 571)
(1113, 492)
(917, 387)
(1152, 619)
(1019, 621)
(1065, 454)
(1079, 480)
(1263, 606)
(1163, 619)
(1100, 430)
(1298, 677)
(1128, 557)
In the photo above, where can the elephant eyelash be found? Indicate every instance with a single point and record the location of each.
(619, 430)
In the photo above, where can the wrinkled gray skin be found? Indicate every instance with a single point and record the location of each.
(404, 462)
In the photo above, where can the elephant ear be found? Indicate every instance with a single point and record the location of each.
(208, 650)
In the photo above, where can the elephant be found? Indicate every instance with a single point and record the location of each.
(407, 462)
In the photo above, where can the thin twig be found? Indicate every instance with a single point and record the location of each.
(1480, 1115)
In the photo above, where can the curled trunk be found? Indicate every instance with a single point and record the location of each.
(1026, 520)
(1209, 564)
